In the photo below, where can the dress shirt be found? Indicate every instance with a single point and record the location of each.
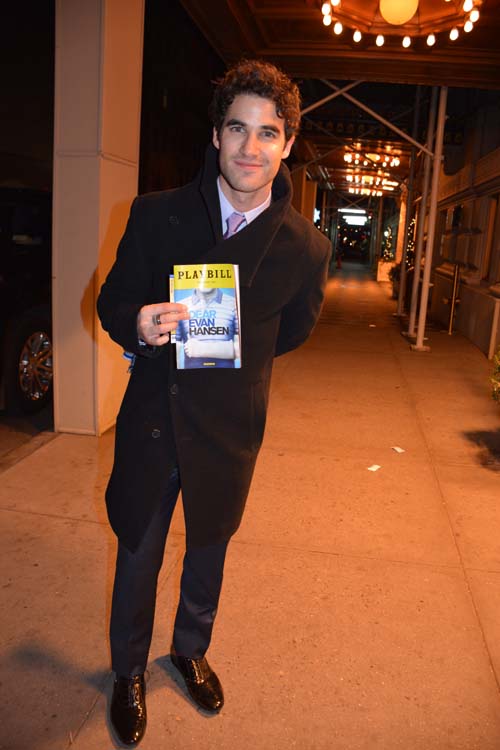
(227, 209)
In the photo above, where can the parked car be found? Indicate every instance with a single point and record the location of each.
(25, 292)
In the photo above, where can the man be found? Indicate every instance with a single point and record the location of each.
(202, 428)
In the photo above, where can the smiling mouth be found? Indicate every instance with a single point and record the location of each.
(247, 165)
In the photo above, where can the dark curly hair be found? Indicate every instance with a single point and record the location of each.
(261, 79)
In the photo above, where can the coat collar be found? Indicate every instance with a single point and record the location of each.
(248, 247)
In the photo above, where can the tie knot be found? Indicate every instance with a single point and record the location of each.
(234, 222)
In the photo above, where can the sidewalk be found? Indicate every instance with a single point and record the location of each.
(360, 609)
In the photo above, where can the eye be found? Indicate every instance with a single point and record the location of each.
(236, 128)
(270, 134)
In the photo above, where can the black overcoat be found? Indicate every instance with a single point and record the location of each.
(210, 422)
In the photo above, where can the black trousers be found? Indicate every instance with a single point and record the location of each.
(134, 594)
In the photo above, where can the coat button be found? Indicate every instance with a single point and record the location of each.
(173, 220)
(174, 390)
(156, 433)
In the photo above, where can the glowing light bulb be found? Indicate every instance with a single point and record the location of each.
(338, 28)
(327, 20)
(474, 16)
(406, 41)
(454, 34)
(326, 9)
(468, 26)
(379, 41)
(468, 5)
(431, 40)
(357, 36)
(335, 3)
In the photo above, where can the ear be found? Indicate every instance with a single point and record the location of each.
(288, 147)
(215, 138)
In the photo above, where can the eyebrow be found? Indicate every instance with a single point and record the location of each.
(235, 121)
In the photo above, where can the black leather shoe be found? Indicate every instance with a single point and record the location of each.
(201, 681)
(128, 709)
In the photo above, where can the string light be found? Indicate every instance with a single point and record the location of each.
(326, 9)
(454, 34)
(327, 19)
(431, 40)
(468, 26)
(379, 41)
(406, 41)
(474, 16)
(468, 5)
(338, 28)
(357, 36)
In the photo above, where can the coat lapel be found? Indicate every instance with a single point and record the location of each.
(248, 247)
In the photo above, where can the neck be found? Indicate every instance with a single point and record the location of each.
(244, 201)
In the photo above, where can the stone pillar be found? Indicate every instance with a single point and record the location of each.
(402, 223)
(304, 193)
(96, 150)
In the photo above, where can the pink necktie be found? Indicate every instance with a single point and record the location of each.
(234, 222)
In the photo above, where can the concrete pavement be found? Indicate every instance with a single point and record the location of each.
(360, 608)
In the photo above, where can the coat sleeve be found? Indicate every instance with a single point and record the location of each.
(127, 288)
(300, 315)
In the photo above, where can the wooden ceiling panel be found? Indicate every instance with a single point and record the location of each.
(290, 33)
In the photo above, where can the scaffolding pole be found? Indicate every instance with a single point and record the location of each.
(419, 239)
(438, 155)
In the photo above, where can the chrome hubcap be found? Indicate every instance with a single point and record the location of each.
(35, 366)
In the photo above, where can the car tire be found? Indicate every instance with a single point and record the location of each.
(29, 364)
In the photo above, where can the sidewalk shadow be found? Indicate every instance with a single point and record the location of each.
(488, 443)
(45, 707)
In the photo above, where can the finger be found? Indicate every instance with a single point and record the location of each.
(163, 339)
(164, 308)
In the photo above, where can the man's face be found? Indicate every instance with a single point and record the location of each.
(251, 146)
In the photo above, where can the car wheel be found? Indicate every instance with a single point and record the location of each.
(29, 365)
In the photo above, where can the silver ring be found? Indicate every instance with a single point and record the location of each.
(157, 319)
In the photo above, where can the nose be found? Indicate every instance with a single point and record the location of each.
(250, 145)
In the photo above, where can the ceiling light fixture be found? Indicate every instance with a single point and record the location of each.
(403, 19)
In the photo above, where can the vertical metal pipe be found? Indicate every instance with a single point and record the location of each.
(419, 240)
(454, 295)
(323, 211)
(409, 206)
(438, 155)
(378, 236)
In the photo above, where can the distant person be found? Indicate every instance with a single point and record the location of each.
(202, 428)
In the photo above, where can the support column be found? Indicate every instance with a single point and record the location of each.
(96, 152)
(403, 213)
(304, 193)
